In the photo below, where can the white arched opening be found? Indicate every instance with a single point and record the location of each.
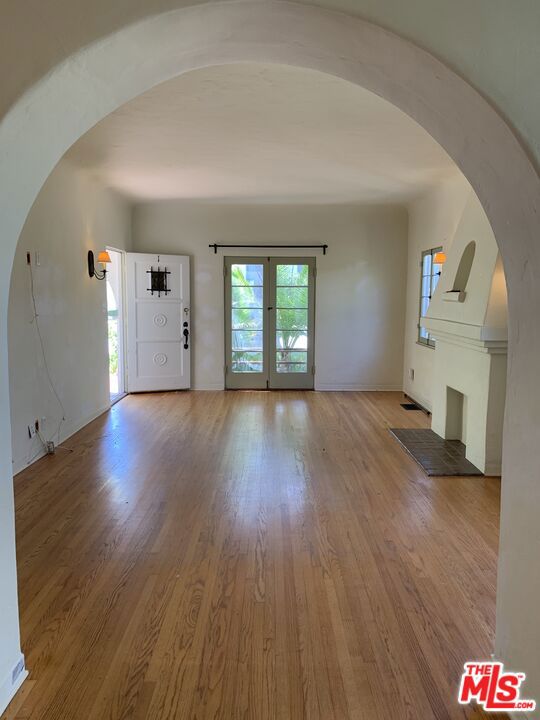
(77, 94)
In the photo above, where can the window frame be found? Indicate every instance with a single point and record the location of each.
(429, 340)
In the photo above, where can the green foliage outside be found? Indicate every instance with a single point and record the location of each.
(113, 342)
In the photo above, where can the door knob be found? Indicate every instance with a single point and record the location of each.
(186, 338)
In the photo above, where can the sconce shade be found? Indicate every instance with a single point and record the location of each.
(439, 258)
(104, 257)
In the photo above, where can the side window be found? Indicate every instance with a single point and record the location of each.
(429, 277)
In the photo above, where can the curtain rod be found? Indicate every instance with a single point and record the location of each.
(310, 247)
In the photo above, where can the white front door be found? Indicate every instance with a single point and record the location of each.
(158, 322)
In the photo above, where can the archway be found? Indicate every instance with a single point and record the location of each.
(77, 94)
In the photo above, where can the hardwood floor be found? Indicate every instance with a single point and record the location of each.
(251, 555)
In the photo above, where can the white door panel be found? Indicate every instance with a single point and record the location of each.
(159, 361)
(158, 319)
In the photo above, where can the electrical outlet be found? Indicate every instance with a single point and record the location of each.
(17, 670)
(31, 431)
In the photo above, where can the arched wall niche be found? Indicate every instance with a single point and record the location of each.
(464, 268)
(87, 86)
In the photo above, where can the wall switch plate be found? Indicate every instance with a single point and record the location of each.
(32, 431)
(411, 373)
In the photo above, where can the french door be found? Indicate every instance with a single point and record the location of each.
(269, 322)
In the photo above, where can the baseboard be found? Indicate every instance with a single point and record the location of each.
(66, 431)
(494, 470)
(210, 386)
(331, 387)
(10, 685)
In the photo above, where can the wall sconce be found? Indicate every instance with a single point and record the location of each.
(439, 258)
(103, 258)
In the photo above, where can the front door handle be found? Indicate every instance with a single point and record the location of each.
(186, 338)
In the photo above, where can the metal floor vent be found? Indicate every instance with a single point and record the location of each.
(410, 406)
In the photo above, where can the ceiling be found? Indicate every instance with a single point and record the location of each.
(262, 133)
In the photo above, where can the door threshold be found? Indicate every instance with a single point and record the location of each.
(259, 390)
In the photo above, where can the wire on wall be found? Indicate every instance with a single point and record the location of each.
(35, 322)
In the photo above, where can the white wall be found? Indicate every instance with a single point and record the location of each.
(71, 215)
(360, 287)
(433, 220)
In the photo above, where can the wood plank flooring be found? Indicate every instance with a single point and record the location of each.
(251, 555)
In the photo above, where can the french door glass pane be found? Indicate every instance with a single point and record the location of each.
(246, 362)
(287, 340)
(291, 356)
(246, 297)
(292, 275)
(292, 297)
(247, 340)
(247, 318)
(247, 275)
(291, 367)
(291, 318)
(290, 361)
